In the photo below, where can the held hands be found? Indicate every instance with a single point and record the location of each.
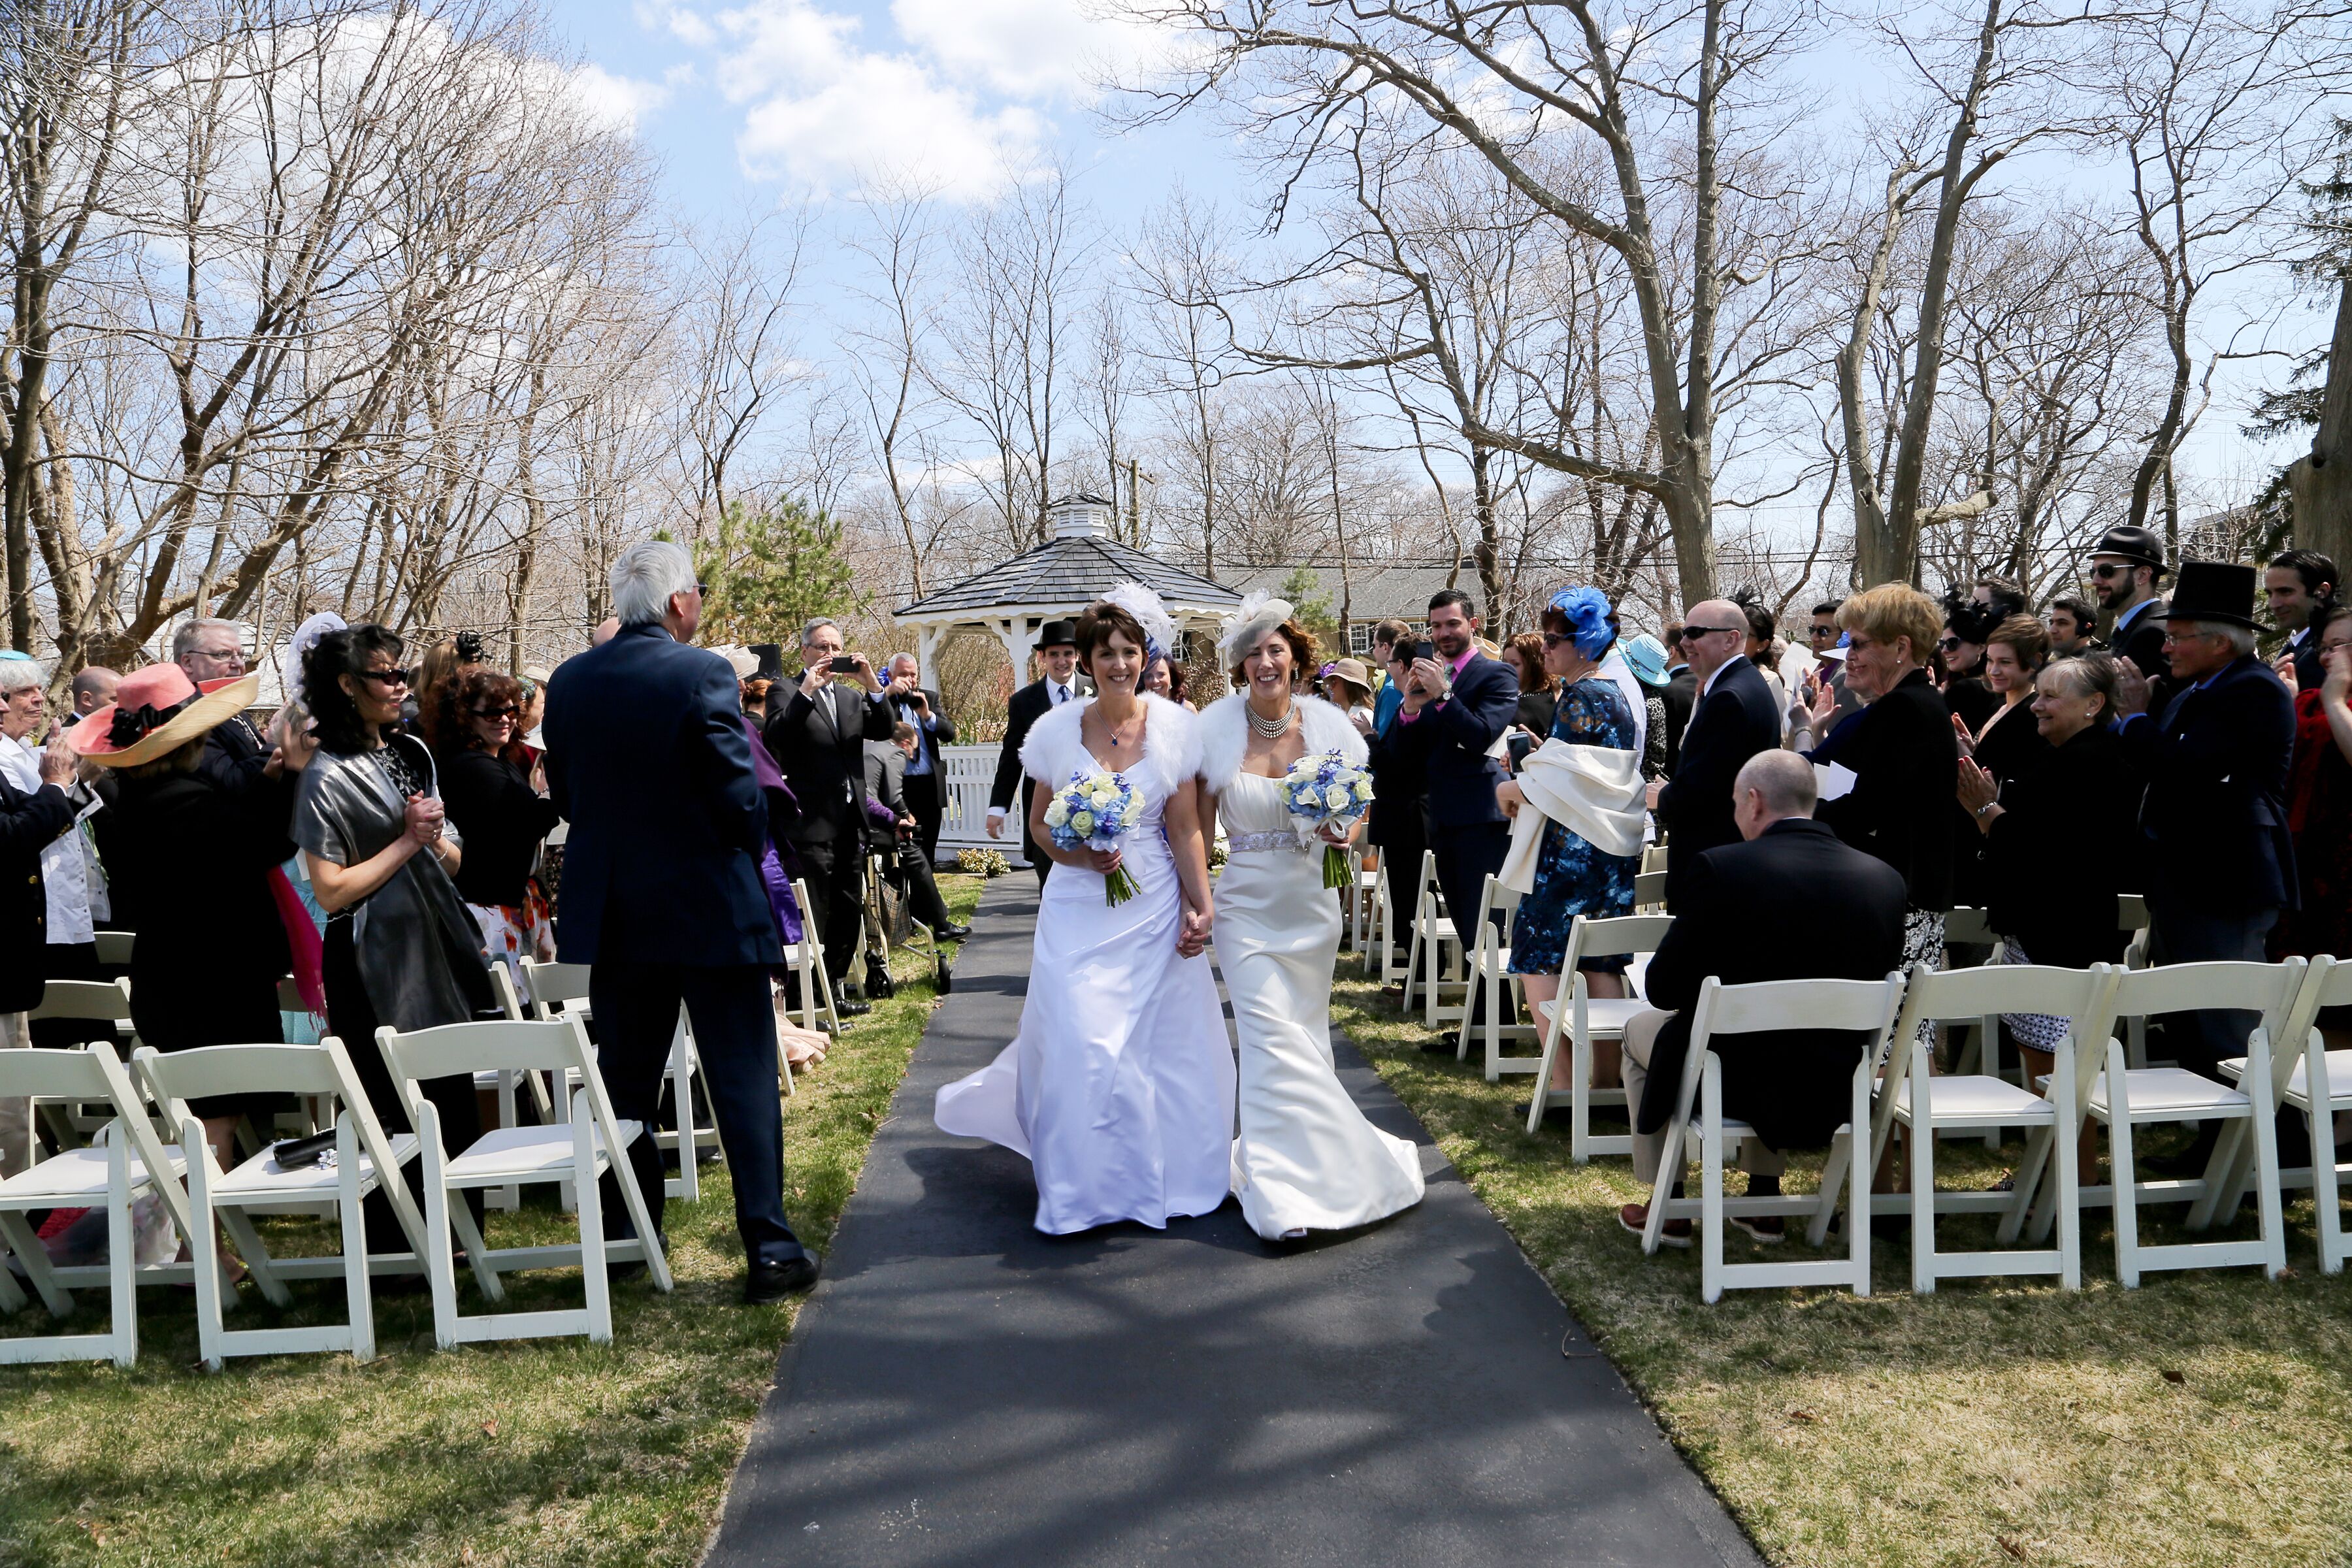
(1192, 934)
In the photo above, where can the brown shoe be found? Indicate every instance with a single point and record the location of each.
(1635, 1218)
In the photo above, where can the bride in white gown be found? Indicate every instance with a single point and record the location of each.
(1120, 1086)
(1306, 1160)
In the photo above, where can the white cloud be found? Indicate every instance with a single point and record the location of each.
(1024, 49)
(618, 102)
(682, 23)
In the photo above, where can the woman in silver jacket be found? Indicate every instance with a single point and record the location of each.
(400, 948)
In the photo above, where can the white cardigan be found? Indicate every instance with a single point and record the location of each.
(1056, 747)
(1224, 736)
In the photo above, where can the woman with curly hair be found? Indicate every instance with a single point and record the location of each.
(500, 812)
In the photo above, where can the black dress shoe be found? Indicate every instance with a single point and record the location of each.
(952, 934)
(1445, 1045)
(774, 1281)
(849, 1007)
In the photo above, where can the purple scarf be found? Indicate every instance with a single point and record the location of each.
(778, 866)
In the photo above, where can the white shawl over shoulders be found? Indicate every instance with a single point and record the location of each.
(1596, 792)
(1224, 736)
(1056, 747)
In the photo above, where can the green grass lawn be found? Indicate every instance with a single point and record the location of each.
(535, 1452)
(2203, 1418)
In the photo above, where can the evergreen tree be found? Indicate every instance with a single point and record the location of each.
(768, 572)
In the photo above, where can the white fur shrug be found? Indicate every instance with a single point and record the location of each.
(1056, 747)
(1224, 736)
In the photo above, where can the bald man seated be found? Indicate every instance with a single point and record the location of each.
(1792, 1087)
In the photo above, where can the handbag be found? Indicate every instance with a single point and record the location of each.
(301, 1154)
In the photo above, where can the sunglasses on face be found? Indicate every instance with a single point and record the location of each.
(386, 677)
(1950, 645)
(1692, 634)
(2103, 573)
(1554, 640)
(506, 712)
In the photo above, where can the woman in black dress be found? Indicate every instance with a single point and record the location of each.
(190, 865)
(496, 808)
(2006, 744)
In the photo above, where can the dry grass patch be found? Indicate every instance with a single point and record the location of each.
(537, 1452)
(2203, 1419)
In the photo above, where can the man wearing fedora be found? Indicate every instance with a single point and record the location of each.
(2126, 565)
(1057, 650)
(2221, 863)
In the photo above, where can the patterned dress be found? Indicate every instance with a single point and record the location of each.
(1573, 877)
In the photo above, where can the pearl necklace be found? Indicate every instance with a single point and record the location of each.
(1273, 728)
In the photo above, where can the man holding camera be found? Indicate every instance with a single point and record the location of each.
(818, 736)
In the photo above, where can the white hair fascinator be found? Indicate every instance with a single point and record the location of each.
(306, 638)
(1158, 628)
(1259, 613)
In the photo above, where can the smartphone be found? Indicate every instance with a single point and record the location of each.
(844, 664)
(1424, 650)
(1520, 743)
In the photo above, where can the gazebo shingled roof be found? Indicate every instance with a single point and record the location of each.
(1058, 579)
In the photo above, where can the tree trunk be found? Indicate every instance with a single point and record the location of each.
(2322, 481)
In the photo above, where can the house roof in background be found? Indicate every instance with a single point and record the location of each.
(1375, 591)
(1065, 575)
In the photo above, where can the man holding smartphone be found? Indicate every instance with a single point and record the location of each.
(818, 736)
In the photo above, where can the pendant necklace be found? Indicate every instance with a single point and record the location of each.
(1273, 728)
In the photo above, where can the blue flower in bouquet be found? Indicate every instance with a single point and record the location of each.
(1095, 811)
(1323, 791)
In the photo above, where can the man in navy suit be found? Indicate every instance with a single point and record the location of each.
(1733, 719)
(648, 758)
(1456, 706)
(2213, 819)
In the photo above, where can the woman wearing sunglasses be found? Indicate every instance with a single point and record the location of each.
(400, 948)
(498, 808)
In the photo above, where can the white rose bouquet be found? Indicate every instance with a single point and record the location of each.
(1326, 795)
(1095, 811)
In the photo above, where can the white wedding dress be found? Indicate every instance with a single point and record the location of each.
(1120, 1086)
(1307, 1159)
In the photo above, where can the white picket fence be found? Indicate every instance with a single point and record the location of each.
(963, 824)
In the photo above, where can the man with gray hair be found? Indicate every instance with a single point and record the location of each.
(235, 753)
(2220, 860)
(649, 759)
(818, 736)
(1790, 1087)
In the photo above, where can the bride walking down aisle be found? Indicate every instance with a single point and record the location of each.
(1307, 1159)
(1120, 1086)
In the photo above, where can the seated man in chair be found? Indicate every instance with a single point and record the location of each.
(1790, 1088)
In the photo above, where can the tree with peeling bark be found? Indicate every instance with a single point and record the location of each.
(1663, 90)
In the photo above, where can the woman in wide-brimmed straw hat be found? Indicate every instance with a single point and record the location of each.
(189, 866)
(1347, 685)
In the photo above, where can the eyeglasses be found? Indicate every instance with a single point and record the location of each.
(702, 588)
(385, 677)
(509, 712)
(1692, 634)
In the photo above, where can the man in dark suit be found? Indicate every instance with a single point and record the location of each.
(818, 736)
(1792, 1088)
(1057, 651)
(2126, 565)
(1734, 718)
(2300, 586)
(1682, 690)
(2213, 820)
(648, 759)
(927, 782)
(1456, 706)
(29, 822)
(234, 752)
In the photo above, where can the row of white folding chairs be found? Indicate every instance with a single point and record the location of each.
(2285, 997)
(1488, 967)
(132, 1161)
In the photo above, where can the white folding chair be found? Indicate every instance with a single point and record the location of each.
(2305, 1075)
(805, 959)
(128, 1161)
(364, 1155)
(560, 990)
(1584, 1019)
(1650, 893)
(72, 1122)
(2124, 1098)
(594, 1141)
(1434, 937)
(1923, 1106)
(1865, 1007)
(1486, 973)
(1653, 859)
(114, 947)
(1395, 943)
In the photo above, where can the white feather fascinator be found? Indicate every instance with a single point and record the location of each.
(1158, 628)
(306, 638)
(1259, 613)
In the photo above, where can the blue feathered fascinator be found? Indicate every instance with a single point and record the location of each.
(1587, 611)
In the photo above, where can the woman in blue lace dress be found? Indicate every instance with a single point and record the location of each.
(1581, 798)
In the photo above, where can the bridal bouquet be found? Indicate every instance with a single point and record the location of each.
(1323, 791)
(1094, 811)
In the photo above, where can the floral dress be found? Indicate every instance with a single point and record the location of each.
(1573, 877)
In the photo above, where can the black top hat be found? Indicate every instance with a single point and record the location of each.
(771, 656)
(2213, 590)
(1058, 633)
(2132, 544)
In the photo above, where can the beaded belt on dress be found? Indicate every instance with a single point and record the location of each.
(1241, 843)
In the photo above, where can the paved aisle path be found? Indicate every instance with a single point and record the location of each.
(963, 1391)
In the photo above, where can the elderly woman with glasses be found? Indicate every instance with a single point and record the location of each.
(1576, 808)
(499, 807)
(400, 948)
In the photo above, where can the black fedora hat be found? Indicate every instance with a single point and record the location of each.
(771, 656)
(1058, 633)
(2213, 590)
(2136, 545)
